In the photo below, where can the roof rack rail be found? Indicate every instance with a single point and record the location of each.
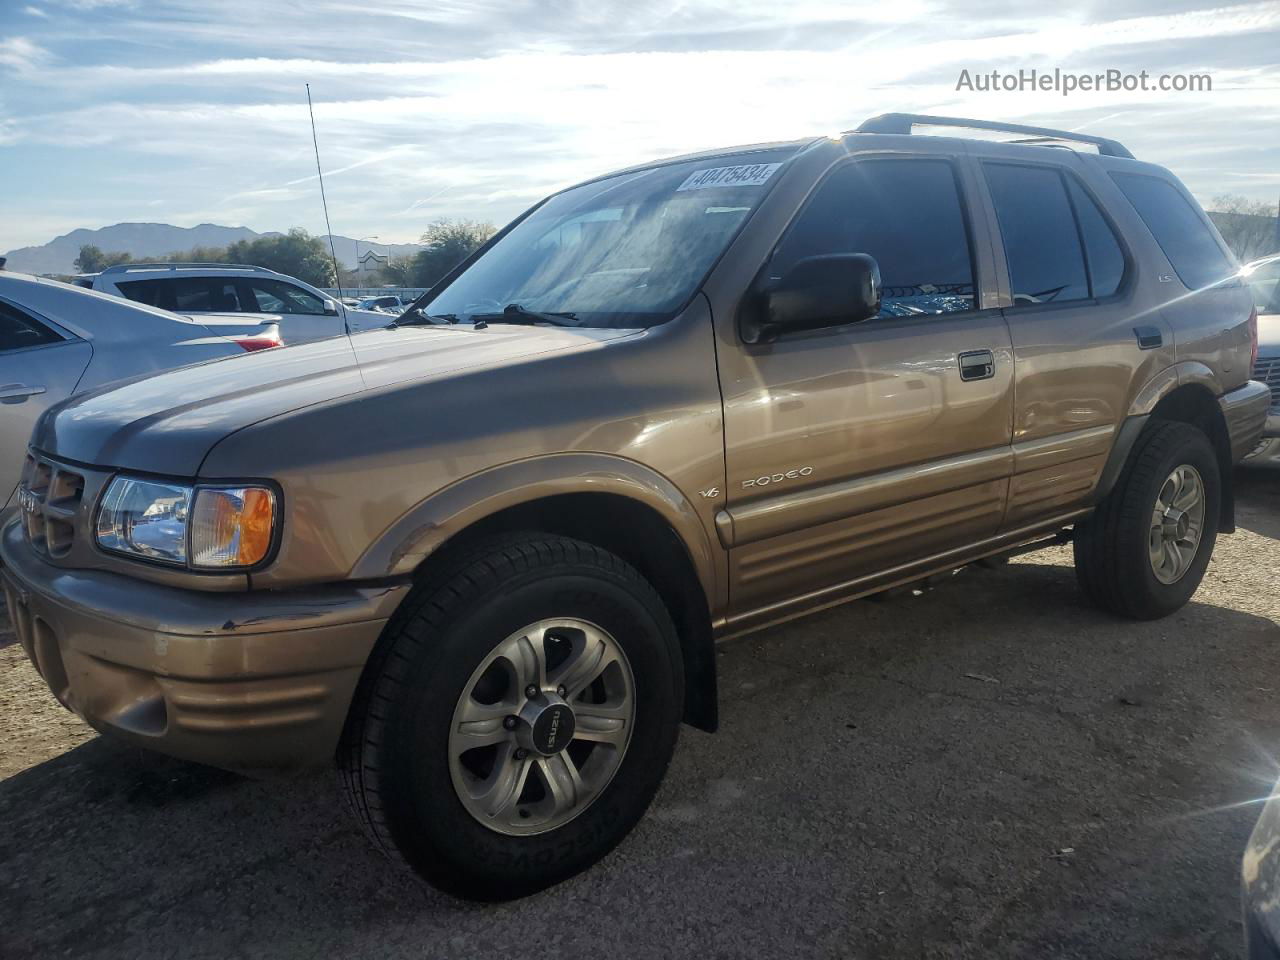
(182, 264)
(903, 122)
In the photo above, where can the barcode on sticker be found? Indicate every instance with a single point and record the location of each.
(746, 175)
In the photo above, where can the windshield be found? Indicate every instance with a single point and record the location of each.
(627, 251)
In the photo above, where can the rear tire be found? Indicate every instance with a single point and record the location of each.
(507, 608)
(1134, 557)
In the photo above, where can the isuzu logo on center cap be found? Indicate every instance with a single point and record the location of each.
(553, 729)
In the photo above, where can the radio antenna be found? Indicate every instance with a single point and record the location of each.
(337, 271)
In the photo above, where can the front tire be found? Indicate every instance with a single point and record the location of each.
(516, 718)
(1143, 552)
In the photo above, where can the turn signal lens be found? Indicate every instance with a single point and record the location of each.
(232, 526)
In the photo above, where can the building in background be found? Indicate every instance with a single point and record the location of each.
(369, 268)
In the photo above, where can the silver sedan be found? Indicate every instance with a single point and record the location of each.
(57, 340)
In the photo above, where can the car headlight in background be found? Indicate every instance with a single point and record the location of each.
(204, 528)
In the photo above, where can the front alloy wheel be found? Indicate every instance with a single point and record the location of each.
(541, 726)
(516, 717)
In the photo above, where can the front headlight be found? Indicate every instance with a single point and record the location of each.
(204, 528)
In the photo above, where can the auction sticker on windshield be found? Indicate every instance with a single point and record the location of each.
(746, 175)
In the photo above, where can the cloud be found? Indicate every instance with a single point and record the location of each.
(477, 108)
(22, 55)
(35, 12)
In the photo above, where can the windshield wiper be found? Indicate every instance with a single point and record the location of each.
(415, 317)
(514, 313)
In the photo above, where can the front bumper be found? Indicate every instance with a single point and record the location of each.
(1246, 411)
(257, 681)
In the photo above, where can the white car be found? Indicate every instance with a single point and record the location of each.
(1263, 277)
(384, 304)
(199, 289)
(57, 341)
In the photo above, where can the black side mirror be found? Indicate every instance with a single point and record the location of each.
(825, 291)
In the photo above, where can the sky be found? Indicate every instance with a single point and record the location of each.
(194, 111)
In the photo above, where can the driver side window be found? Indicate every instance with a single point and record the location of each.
(907, 214)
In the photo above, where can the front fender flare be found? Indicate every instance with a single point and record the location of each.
(402, 547)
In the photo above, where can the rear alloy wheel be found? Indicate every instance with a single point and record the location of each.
(1143, 552)
(1176, 524)
(516, 717)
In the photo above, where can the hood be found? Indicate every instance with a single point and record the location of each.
(166, 423)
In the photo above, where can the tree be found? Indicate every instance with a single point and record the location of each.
(448, 243)
(200, 255)
(93, 260)
(399, 272)
(295, 253)
(1249, 226)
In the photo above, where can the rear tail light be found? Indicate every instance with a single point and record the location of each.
(1253, 338)
(260, 341)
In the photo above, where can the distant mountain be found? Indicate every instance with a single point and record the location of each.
(162, 239)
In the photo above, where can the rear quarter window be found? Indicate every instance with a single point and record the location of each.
(1179, 228)
(19, 330)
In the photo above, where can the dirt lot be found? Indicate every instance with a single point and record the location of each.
(987, 769)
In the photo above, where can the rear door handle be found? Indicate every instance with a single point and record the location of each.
(17, 392)
(977, 365)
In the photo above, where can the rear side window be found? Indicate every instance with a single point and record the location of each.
(154, 293)
(1103, 254)
(186, 294)
(19, 330)
(1178, 228)
(906, 214)
(1038, 226)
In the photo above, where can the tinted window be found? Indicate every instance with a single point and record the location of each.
(1102, 249)
(1041, 244)
(186, 294)
(1178, 228)
(907, 215)
(18, 330)
(276, 296)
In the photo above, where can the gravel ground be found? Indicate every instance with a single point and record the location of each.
(988, 768)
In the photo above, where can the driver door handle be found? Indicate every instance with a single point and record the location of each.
(17, 392)
(977, 365)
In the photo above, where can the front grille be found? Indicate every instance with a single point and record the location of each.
(49, 500)
(1267, 370)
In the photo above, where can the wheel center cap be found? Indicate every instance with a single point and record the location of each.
(548, 725)
(1176, 524)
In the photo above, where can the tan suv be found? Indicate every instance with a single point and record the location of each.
(481, 558)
